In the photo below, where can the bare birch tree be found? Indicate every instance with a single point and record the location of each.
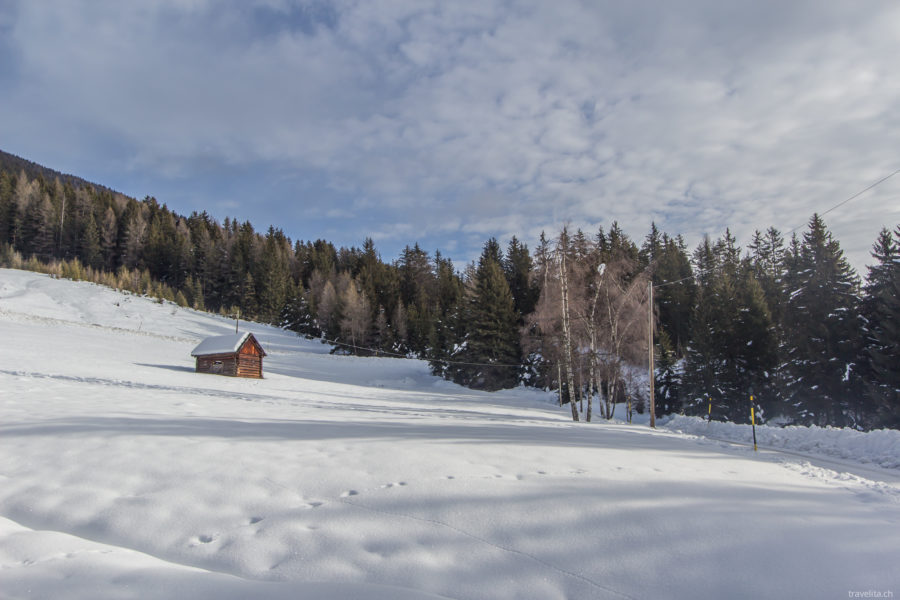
(562, 250)
(590, 321)
(623, 324)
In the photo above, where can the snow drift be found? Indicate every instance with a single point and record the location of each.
(124, 474)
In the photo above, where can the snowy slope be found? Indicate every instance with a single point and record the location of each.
(123, 474)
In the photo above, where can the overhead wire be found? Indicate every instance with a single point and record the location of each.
(386, 353)
(836, 206)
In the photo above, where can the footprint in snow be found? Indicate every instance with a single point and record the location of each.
(349, 493)
(205, 539)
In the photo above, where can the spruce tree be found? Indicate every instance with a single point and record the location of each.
(881, 311)
(296, 314)
(755, 341)
(822, 316)
(448, 327)
(701, 355)
(668, 377)
(37, 228)
(491, 332)
(675, 298)
(7, 207)
(517, 266)
(273, 276)
(90, 251)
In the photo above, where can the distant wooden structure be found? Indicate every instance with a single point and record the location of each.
(236, 355)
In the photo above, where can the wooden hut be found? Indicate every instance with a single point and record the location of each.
(237, 355)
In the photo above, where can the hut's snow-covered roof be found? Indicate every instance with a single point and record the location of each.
(221, 344)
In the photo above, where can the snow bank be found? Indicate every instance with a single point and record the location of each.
(880, 447)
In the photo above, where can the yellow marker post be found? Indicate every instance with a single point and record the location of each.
(753, 422)
(709, 413)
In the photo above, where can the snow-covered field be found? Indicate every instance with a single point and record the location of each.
(123, 474)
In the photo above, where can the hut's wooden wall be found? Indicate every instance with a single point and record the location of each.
(246, 362)
(224, 364)
(249, 366)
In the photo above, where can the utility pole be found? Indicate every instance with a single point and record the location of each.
(652, 369)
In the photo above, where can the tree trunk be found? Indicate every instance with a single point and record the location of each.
(590, 388)
(567, 336)
(559, 381)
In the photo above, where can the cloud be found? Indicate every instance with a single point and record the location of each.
(476, 119)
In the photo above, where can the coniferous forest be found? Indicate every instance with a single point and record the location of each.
(787, 321)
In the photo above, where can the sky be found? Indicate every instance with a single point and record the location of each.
(446, 123)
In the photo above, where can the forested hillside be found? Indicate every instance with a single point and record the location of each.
(786, 321)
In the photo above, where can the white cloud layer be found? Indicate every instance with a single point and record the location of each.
(451, 122)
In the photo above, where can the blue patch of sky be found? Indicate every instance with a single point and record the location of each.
(10, 53)
(306, 18)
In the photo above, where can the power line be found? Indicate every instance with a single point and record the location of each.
(378, 352)
(838, 205)
(856, 195)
